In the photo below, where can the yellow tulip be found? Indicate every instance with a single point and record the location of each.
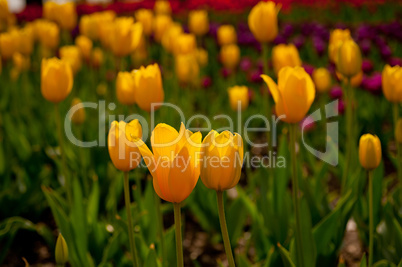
(4, 11)
(230, 56)
(140, 54)
(50, 10)
(293, 95)
(125, 88)
(355, 81)
(337, 37)
(123, 146)
(185, 44)
(148, 87)
(145, 17)
(187, 69)
(67, 17)
(61, 251)
(369, 151)
(322, 79)
(162, 7)
(78, 116)
(126, 36)
(21, 62)
(392, 83)
(398, 131)
(349, 62)
(285, 55)
(105, 31)
(263, 21)
(97, 57)
(226, 35)
(26, 42)
(174, 163)
(8, 44)
(49, 34)
(161, 25)
(85, 46)
(202, 57)
(171, 35)
(238, 94)
(56, 79)
(198, 22)
(221, 160)
(72, 55)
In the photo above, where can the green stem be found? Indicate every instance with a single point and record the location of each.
(224, 229)
(265, 51)
(296, 203)
(82, 156)
(160, 229)
(63, 155)
(179, 242)
(398, 147)
(371, 219)
(349, 133)
(129, 220)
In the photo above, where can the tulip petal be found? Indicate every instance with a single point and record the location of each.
(164, 140)
(273, 88)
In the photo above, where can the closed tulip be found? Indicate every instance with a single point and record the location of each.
(126, 36)
(369, 151)
(56, 79)
(125, 88)
(285, 55)
(293, 95)
(202, 57)
(4, 11)
(8, 44)
(148, 87)
(78, 116)
(174, 163)
(162, 7)
(26, 43)
(322, 79)
(226, 35)
(198, 22)
(161, 25)
(238, 94)
(230, 56)
(21, 62)
(50, 10)
(123, 145)
(349, 61)
(187, 69)
(263, 21)
(392, 83)
(337, 37)
(67, 16)
(97, 57)
(85, 46)
(171, 35)
(72, 55)
(398, 131)
(49, 34)
(140, 54)
(145, 17)
(185, 44)
(61, 251)
(222, 160)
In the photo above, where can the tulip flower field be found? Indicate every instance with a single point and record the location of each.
(201, 133)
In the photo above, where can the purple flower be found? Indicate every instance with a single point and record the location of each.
(308, 68)
(213, 28)
(373, 83)
(280, 40)
(307, 124)
(386, 52)
(206, 81)
(394, 61)
(365, 46)
(245, 64)
(226, 72)
(255, 76)
(336, 92)
(341, 106)
(367, 65)
(287, 30)
(319, 45)
(299, 41)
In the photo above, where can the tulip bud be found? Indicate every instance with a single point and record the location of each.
(162, 7)
(78, 117)
(226, 35)
(56, 79)
(230, 56)
(263, 21)
(97, 57)
(72, 55)
(126, 36)
(337, 37)
(148, 87)
(122, 144)
(293, 95)
(202, 57)
(285, 55)
(398, 131)
(198, 22)
(67, 16)
(173, 181)
(187, 69)
(222, 160)
(125, 88)
(161, 25)
(61, 251)
(170, 37)
(8, 44)
(392, 83)
(349, 61)
(21, 62)
(322, 79)
(185, 44)
(145, 17)
(238, 94)
(85, 46)
(26, 42)
(369, 151)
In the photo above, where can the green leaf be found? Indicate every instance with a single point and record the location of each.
(287, 260)
(152, 260)
(93, 203)
(236, 217)
(363, 262)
